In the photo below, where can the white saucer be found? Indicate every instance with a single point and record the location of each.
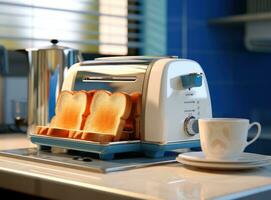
(244, 158)
(222, 166)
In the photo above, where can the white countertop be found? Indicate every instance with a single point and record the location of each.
(171, 181)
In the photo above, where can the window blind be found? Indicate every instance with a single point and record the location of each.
(98, 26)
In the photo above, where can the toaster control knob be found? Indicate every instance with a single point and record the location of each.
(191, 126)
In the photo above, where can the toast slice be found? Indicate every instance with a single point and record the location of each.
(41, 130)
(71, 111)
(108, 115)
(133, 121)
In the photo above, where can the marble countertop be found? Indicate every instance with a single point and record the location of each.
(171, 181)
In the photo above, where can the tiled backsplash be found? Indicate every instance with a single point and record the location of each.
(239, 80)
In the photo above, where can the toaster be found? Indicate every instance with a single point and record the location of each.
(174, 92)
(174, 95)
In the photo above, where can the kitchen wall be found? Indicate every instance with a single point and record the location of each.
(14, 86)
(155, 27)
(15, 93)
(239, 80)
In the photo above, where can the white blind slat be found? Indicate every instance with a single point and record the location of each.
(78, 11)
(99, 26)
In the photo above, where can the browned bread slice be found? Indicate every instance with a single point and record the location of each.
(41, 130)
(107, 118)
(95, 137)
(133, 122)
(58, 132)
(71, 111)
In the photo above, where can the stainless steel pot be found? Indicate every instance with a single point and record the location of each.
(47, 67)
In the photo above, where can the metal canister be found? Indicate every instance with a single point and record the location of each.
(47, 67)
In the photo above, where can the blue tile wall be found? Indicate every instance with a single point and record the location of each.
(174, 27)
(239, 80)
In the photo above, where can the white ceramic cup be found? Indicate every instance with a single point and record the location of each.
(225, 138)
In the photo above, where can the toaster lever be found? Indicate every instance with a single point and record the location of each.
(191, 80)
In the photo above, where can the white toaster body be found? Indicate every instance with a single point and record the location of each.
(170, 107)
(174, 92)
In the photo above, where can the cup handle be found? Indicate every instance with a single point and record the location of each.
(257, 134)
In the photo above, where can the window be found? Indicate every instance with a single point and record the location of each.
(95, 26)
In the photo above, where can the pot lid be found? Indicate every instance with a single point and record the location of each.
(53, 46)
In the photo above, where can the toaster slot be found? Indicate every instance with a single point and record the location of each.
(130, 58)
(109, 78)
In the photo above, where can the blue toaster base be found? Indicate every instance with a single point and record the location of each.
(108, 151)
